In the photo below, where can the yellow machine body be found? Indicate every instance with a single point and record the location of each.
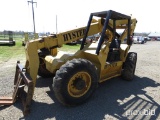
(53, 62)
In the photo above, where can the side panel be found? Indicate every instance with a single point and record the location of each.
(111, 70)
(124, 48)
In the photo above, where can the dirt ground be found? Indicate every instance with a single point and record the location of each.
(114, 99)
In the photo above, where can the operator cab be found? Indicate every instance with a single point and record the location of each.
(106, 17)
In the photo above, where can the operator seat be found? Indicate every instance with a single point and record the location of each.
(115, 45)
(114, 51)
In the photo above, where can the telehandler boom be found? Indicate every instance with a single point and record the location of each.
(75, 76)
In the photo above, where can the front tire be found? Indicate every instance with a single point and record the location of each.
(129, 66)
(75, 82)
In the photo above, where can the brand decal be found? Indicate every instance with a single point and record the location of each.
(74, 34)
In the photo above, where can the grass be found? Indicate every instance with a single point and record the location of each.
(17, 51)
(7, 52)
(70, 48)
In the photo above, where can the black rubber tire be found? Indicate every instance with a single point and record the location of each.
(42, 71)
(65, 73)
(129, 66)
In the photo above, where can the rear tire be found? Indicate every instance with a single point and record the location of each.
(129, 66)
(42, 71)
(75, 82)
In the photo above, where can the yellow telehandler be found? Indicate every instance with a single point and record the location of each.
(76, 76)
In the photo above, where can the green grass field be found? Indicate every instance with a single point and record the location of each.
(70, 48)
(7, 52)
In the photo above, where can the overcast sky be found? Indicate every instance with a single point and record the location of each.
(17, 14)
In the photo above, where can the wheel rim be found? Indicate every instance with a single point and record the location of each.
(79, 84)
